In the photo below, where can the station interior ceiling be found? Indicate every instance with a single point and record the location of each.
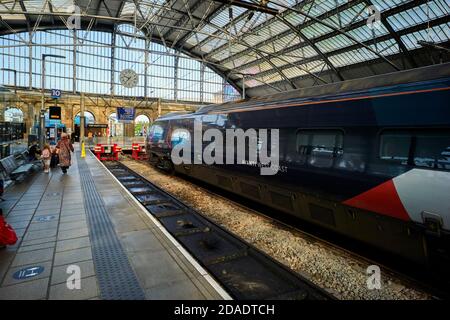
(262, 46)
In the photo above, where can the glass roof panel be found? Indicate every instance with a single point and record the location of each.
(11, 6)
(304, 69)
(147, 9)
(246, 40)
(229, 51)
(212, 44)
(197, 37)
(417, 15)
(128, 9)
(349, 16)
(62, 5)
(223, 18)
(384, 5)
(337, 42)
(36, 6)
(351, 57)
(437, 34)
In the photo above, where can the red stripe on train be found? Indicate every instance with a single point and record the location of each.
(382, 199)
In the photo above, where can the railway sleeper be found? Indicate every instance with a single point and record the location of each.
(246, 272)
(225, 258)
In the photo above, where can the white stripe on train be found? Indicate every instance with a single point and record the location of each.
(425, 191)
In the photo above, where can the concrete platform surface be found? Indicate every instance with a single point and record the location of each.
(50, 214)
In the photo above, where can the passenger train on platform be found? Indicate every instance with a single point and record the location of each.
(367, 158)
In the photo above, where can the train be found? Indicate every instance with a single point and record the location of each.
(366, 158)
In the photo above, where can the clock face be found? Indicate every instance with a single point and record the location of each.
(129, 78)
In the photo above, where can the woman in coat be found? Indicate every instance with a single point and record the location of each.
(64, 147)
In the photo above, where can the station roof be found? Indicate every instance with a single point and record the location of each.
(272, 46)
(7, 96)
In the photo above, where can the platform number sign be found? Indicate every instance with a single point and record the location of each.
(45, 218)
(56, 93)
(28, 272)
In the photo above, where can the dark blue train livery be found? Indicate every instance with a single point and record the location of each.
(367, 158)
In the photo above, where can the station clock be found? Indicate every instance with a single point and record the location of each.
(129, 78)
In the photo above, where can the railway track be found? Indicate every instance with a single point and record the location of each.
(287, 223)
(409, 277)
(243, 270)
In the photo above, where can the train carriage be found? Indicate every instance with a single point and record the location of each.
(369, 158)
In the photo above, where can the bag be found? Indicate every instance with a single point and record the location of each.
(54, 161)
(7, 234)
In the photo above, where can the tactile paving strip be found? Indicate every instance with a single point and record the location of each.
(117, 280)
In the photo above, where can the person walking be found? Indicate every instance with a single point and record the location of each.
(46, 157)
(64, 147)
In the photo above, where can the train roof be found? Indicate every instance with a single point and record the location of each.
(174, 114)
(388, 82)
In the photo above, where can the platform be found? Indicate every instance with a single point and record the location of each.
(88, 220)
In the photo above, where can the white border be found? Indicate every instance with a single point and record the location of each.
(180, 248)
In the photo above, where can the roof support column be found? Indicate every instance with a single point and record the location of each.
(30, 66)
(202, 82)
(82, 117)
(113, 46)
(74, 62)
(146, 53)
(175, 75)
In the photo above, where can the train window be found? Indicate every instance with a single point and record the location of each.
(320, 141)
(395, 146)
(420, 148)
(180, 136)
(156, 133)
(320, 147)
(432, 150)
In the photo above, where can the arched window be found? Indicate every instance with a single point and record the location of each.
(88, 118)
(142, 119)
(113, 117)
(141, 125)
(13, 115)
(115, 127)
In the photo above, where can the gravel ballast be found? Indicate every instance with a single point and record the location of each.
(333, 269)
